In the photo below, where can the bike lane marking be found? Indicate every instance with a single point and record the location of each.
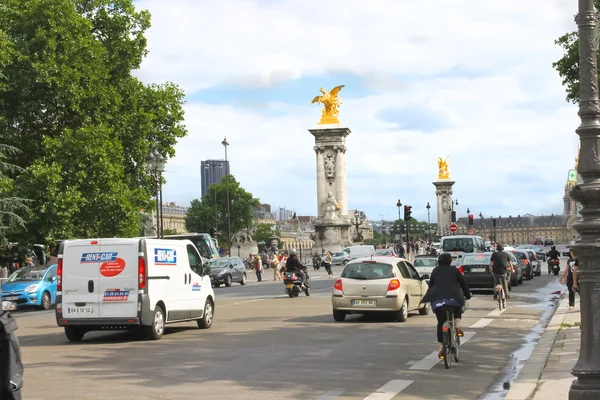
(432, 359)
(389, 390)
(496, 313)
(482, 323)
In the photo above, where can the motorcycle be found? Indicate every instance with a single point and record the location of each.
(11, 368)
(316, 262)
(554, 266)
(293, 284)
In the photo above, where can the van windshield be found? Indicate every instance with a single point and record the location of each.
(464, 245)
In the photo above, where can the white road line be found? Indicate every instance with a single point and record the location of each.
(496, 313)
(263, 298)
(331, 395)
(389, 390)
(482, 323)
(432, 359)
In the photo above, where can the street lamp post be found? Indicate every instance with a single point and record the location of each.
(399, 205)
(428, 207)
(156, 164)
(587, 368)
(225, 143)
(357, 222)
(480, 224)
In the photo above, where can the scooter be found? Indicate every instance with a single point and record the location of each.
(293, 284)
(316, 262)
(11, 368)
(554, 266)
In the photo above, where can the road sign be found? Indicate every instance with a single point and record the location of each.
(471, 231)
(453, 228)
(572, 175)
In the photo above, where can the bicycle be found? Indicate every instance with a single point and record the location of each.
(450, 340)
(500, 296)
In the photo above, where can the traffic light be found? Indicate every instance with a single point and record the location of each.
(407, 212)
(471, 220)
(494, 222)
(453, 214)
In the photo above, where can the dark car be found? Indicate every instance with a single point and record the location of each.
(516, 277)
(525, 262)
(538, 240)
(548, 242)
(566, 253)
(476, 270)
(226, 270)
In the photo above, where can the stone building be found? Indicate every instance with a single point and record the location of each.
(263, 215)
(173, 217)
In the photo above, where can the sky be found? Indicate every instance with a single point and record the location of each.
(468, 79)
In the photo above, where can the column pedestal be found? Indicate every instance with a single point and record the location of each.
(443, 193)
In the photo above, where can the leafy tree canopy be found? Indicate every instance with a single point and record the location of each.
(85, 125)
(264, 232)
(206, 213)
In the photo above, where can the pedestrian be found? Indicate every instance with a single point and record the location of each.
(258, 268)
(276, 274)
(572, 263)
(328, 262)
(417, 247)
(401, 251)
(29, 262)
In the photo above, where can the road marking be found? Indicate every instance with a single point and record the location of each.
(331, 395)
(496, 313)
(432, 359)
(482, 323)
(266, 298)
(389, 390)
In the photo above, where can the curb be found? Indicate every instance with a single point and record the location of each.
(526, 383)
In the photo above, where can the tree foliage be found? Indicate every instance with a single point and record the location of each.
(266, 231)
(85, 124)
(206, 213)
(12, 208)
(568, 65)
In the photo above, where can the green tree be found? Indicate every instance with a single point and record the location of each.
(12, 208)
(264, 232)
(568, 65)
(85, 124)
(202, 213)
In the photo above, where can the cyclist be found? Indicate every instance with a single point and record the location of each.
(447, 287)
(500, 265)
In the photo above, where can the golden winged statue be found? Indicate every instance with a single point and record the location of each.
(331, 103)
(443, 172)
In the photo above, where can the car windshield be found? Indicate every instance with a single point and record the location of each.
(220, 262)
(383, 252)
(26, 275)
(465, 245)
(478, 259)
(424, 262)
(519, 256)
(368, 271)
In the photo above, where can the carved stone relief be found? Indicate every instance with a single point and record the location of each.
(329, 166)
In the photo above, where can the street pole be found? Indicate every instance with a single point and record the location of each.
(399, 205)
(162, 232)
(587, 249)
(158, 203)
(428, 207)
(225, 143)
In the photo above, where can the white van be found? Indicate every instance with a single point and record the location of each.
(360, 251)
(459, 245)
(127, 283)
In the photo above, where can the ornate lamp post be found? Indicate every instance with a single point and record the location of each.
(156, 164)
(357, 222)
(587, 368)
(428, 207)
(225, 143)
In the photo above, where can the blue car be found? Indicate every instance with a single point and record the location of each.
(31, 286)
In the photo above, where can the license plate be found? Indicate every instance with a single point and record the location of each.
(478, 270)
(290, 285)
(364, 303)
(80, 310)
(11, 298)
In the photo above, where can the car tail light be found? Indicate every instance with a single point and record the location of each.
(461, 269)
(141, 273)
(393, 285)
(526, 261)
(338, 285)
(59, 275)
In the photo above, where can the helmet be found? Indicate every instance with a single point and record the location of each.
(553, 247)
(292, 251)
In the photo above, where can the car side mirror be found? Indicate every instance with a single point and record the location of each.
(9, 306)
(425, 276)
(54, 279)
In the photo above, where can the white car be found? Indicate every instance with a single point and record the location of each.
(128, 283)
(379, 284)
(425, 265)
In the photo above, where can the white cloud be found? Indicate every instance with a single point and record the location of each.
(509, 121)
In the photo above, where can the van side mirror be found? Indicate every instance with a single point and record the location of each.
(206, 268)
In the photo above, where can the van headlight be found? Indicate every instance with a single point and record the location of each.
(32, 288)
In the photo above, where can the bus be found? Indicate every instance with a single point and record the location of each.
(459, 245)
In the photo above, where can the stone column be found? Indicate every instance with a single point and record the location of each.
(321, 189)
(341, 188)
(443, 195)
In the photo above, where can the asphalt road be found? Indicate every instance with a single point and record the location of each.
(264, 345)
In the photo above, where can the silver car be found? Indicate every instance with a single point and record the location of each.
(341, 258)
(380, 284)
(425, 265)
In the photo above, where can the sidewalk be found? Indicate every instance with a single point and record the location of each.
(547, 373)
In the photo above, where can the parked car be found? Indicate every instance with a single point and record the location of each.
(341, 258)
(380, 284)
(525, 262)
(226, 270)
(31, 286)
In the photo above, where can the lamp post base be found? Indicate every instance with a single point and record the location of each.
(585, 388)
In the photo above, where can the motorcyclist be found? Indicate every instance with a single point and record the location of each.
(553, 254)
(294, 265)
(317, 260)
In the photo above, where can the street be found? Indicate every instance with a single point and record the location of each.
(264, 345)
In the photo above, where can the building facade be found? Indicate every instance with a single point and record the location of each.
(173, 217)
(212, 172)
(262, 215)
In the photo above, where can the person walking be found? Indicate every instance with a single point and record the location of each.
(569, 273)
(276, 274)
(328, 262)
(258, 268)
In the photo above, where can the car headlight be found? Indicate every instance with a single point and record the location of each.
(32, 288)
(222, 272)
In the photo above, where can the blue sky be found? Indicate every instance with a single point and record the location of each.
(473, 90)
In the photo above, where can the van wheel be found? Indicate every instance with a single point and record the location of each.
(228, 281)
(207, 318)
(74, 333)
(402, 314)
(46, 301)
(243, 281)
(157, 329)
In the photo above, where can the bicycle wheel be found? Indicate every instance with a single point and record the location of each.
(456, 349)
(499, 295)
(447, 349)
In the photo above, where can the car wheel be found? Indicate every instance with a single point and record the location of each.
(345, 262)
(402, 314)
(424, 310)
(243, 281)
(228, 280)
(46, 301)
(207, 318)
(157, 329)
(339, 316)
(74, 333)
